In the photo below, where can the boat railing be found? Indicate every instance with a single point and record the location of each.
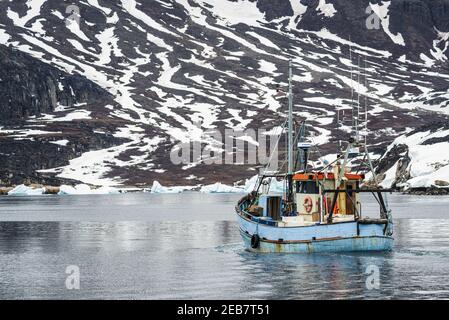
(256, 219)
(379, 198)
(241, 207)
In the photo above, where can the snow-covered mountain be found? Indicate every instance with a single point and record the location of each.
(100, 91)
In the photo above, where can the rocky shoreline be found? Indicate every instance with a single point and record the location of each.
(428, 192)
(49, 190)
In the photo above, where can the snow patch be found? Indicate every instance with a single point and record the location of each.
(427, 61)
(131, 7)
(4, 37)
(83, 189)
(298, 10)
(235, 12)
(428, 161)
(34, 10)
(326, 9)
(382, 11)
(267, 67)
(75, 28)
(263, 40)
(390, 177)
(62, 142)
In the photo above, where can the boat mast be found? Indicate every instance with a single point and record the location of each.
(352, 86)
(290, 206)
(357, 136)
(366, 105)
(290, 120)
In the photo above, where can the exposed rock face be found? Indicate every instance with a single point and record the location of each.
(275, 9)
(428, 191)
(414, 20)
(440, 12)
(398, 154)
(22, 159)
(441, 183)
(30, 87)
(421, 156)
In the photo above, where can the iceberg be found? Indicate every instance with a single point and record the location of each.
(275, 185)
(83, 189)
(77, 190)
(250, 184)
(23, 190)
(106, 190)
(158, 188)
(220, 188)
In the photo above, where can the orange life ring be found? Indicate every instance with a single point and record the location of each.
(308, 204)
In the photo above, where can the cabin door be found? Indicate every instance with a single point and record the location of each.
(274, 207)
(350, 200)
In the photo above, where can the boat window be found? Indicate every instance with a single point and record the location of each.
(350, 188)
(306, 187)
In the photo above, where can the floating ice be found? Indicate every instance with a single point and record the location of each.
(220, 188)
(158, 188)
(23, 190)
(275, 185)
(106, 190)
(83, 189)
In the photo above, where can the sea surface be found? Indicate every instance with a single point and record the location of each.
(187, 246)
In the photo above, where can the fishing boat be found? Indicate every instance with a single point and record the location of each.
(320, 209)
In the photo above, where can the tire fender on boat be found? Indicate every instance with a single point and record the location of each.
(255, 241)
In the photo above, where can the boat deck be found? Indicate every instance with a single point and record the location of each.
(299, 221)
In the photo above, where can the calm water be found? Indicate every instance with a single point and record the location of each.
(144, 246)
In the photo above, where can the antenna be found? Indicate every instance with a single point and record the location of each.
(352, 88)
(358, 101)
(290, 119)
(290, 206)
(370, 163)
(338, 118)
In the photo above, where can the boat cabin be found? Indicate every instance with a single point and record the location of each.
(313, 205)
(314, 200)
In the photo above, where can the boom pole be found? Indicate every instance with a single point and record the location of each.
(290, 207)
(290, 120)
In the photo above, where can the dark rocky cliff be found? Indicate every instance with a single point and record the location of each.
(415, 20)
(29, 87)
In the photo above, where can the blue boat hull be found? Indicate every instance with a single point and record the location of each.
(381, 243)
(337, 237)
